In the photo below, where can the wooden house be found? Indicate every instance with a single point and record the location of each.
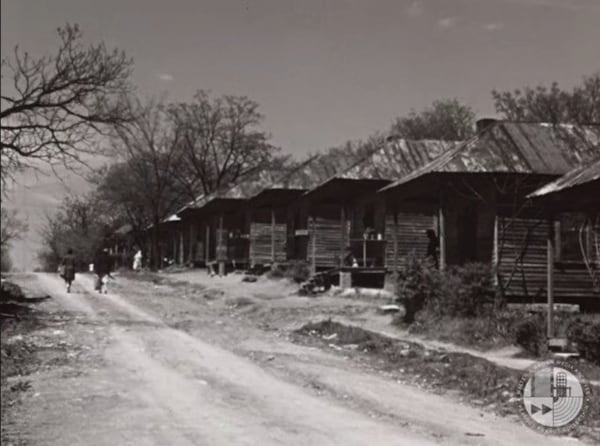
(271, 215)
(477, 195)
(573, 203)
(345, 213)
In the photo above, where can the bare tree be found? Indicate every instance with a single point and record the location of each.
(12, 227)
(552, 104)
(143, 182)
(446, 120)
(54, 107)
(82, 223)
(220, 140)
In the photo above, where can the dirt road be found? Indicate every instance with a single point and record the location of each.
(139, 375)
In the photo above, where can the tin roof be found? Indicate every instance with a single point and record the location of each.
(393, 159)
(577, 177)
(396, 158)
(516, 147)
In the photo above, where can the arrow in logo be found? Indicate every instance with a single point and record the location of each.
(535, 409)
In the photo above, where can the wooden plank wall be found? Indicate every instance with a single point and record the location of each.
(406, 236)
(327, 235)
(521, 249)
(260, 242)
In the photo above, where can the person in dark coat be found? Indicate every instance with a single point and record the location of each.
(67, 269)
(102, 268)
(432, 247)
(349, 259)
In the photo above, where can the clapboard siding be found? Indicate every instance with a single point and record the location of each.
(260, 242)
(408, 233)
(325, 242)
(522, 254)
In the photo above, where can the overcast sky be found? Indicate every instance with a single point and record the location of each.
(326, 71)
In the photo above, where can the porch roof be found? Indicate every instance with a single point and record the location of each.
(393, 158)
(508, 148)
(578, 189)
(275, 197)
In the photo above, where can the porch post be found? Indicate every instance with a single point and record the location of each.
(442, 235)
(550, 278)
(395, 239)
(207, 242)
(313, 241)
(192, 243)
(221, 247)
(272, 235)
(343, 232)
(174, 257)
(181, 248)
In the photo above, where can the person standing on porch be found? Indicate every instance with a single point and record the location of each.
(433, 245)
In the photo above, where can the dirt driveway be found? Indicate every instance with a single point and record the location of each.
(154, 364)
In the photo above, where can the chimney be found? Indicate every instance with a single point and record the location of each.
(484, 123)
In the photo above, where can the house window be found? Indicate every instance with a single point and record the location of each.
(574, 235)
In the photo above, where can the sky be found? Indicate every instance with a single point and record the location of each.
(323, 71)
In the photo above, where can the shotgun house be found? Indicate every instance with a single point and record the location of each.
(225, 223)
(477, 196)
(271, 213)
(224, 240)
(346, 217)
(267, 217)
(573, 203)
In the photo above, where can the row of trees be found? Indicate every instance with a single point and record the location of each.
(78, 103)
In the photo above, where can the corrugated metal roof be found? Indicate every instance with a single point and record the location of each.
(577, 177)
(396, 158)
(513, 147)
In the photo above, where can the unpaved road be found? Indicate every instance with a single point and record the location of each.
(137, 378)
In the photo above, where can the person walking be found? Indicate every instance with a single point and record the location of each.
(67, 269)
(102, 268)
(137, 260)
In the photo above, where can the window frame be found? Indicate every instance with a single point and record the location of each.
(558, 242)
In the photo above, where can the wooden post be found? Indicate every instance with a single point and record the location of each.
(174, 258)
(192, 243)
(273, 235)
(313, 240)
(495, 251)
(207, 242)
(442, 235)
(550, 279)
(220, 249)
(395, 238)
(343, 232)
(181, 248)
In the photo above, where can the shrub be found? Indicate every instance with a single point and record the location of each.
(531, 335)
(298, 271)
(462, 291)
(473, 291)
(418, 284)
(585, 334)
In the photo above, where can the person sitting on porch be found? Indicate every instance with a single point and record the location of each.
(432, 247)
(349, 259)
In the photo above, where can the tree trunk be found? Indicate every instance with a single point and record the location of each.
(155, 246)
